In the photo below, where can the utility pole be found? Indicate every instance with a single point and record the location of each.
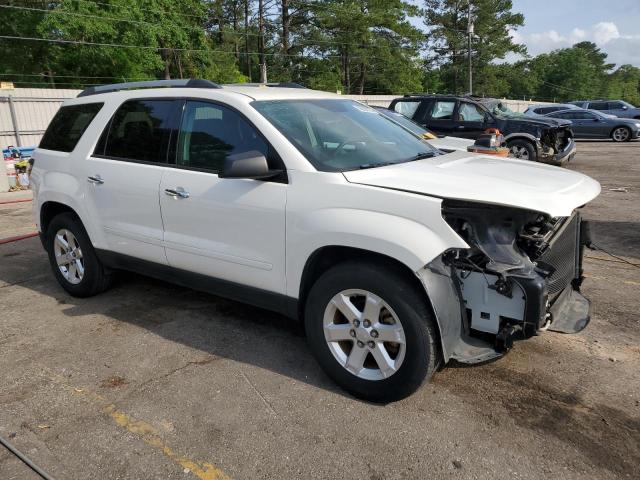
(246, 38)
(263, 59)
(469, 35)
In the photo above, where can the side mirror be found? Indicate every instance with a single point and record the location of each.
(624, 107)
(251, 164)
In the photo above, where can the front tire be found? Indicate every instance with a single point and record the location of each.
(523, 150)
(621, 134)
(371, 331)
(73, 259)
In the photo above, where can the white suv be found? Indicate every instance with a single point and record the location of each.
(397, 256)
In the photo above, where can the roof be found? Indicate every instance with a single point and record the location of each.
(277, 93)
(256, 91)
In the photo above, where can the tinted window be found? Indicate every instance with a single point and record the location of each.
(598, 105)
(469, 112)
(616, 105)
(140, 131)
(68, 125)
(407, 107)
(443, 110)
(544, 110)
(210, 133)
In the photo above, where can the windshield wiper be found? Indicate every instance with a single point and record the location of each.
(418, 156)
(422, 155)
(374, 165)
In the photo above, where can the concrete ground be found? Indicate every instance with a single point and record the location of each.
(153, 381)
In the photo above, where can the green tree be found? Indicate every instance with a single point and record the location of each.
(97, 42)
(447, 22)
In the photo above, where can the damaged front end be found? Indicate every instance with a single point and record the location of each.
(556, 145)
(521, 274)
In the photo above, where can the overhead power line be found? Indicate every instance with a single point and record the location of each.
(154, 48)
(223, 32)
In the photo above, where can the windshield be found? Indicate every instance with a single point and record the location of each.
(338, 135)
(403, 121)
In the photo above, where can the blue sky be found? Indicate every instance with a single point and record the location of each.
(612, 24)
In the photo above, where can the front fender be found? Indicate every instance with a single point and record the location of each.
(411, 243)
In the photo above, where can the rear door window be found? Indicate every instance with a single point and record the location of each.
(599, 106)
(139, 131)
(443, 110)
(407, 107)
(68, 125)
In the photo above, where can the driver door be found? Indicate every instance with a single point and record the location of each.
(470, 120)
(227, 228)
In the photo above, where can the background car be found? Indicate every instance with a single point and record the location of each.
(439, 141)
(593, 124)
(543, 109)
(619, 108)
(528, 138)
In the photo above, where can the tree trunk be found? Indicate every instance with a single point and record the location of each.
(363, 70)
(263, 59)
(286, 25)
(345, 69)
(165, 54)
(236, 46)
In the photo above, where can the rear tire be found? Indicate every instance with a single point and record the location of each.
(385, 351)
(523, 150)
(73, 259)
(621, 134)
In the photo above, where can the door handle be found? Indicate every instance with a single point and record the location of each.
(95, 179)
(460, 127)
(177, 192)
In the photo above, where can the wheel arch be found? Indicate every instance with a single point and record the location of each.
(50, 209)
(326, 257)
(527, 137)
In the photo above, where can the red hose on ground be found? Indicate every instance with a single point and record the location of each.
(17, 201)
(19, 237)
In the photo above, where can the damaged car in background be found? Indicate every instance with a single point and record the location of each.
(539, 139)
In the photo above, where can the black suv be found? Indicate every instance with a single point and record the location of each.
(538, 139)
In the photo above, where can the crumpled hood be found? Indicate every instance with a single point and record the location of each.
(487, 179)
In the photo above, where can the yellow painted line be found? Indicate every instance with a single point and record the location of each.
(204, 471)
(146, 431)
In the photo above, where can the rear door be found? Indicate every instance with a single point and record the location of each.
(439, 116)
(227, 228)
(581, 123)
(123, 176)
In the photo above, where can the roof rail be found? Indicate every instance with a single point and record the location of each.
(116, 87)
(277, 84)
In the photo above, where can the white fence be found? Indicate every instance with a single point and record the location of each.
(26, 112)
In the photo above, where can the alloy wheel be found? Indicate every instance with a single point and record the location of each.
(68, 256)
(364, 334)
(620, 134)
(519, 152)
